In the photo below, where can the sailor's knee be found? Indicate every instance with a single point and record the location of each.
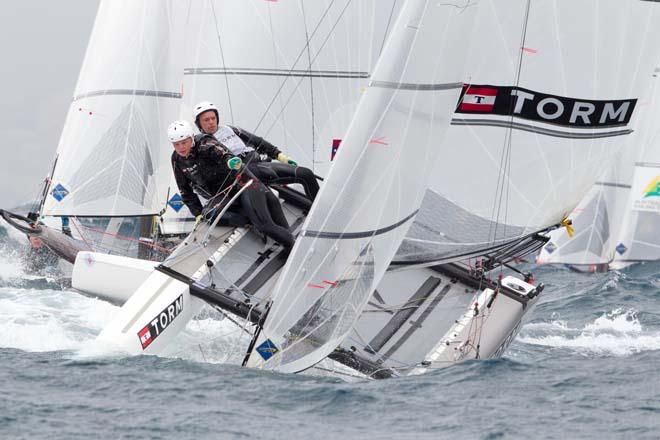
(305, 173)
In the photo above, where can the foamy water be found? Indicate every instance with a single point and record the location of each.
(617, 333)
(571, 374)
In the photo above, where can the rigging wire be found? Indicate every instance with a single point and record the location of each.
(505, 158)
(318, 52)
(222, 57)
(311, 85)
(293, 66)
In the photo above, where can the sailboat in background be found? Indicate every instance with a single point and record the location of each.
(616, 222)
(111, 174)
(480, 125)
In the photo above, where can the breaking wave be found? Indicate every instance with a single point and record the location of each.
(617, 333)
(37, 315)
(43, 320)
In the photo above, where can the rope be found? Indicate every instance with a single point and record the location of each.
(126, 238)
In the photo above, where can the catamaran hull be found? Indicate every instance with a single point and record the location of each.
(152, 317)
(109, 277)
(485, 330)
(419, 318)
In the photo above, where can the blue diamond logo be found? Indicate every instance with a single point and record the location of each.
(550, 247)
(267, 349)
(621, 248)
(176, 202)
(59, 192)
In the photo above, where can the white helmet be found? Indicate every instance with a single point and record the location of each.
(180, 130)
(202, 107)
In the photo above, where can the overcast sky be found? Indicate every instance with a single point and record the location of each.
(42, 45)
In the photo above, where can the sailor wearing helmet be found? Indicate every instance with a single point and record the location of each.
(203, 167)
(250, 148)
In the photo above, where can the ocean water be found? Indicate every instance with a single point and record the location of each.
(584, 366)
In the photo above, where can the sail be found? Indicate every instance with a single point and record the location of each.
(639, 239)
(177, 218)
(493, 153)
(596, 220)
(111, 159)
(290, 72)
(373, 190)
(604, 221)
(552, 93)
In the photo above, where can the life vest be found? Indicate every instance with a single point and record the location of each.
(230, 140)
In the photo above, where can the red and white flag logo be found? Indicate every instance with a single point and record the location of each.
(478, 99)
(145, 337)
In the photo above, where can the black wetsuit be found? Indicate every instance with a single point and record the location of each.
(272, 172)
(205, 171)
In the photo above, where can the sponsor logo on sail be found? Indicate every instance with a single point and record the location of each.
(653, 188)
(621, 248)
(176, 202)
(648, 198)
(478, 99)
(542, 107)
(267, 349)
(157, 325)
(59, 192)
(335, 147)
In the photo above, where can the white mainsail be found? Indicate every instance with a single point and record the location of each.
(551, 97)
(374, 189)
(537, 110)
(111, 159)
(639, 239)
(487, 151)
(291, 72)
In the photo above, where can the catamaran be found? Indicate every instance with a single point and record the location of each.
(450, 137)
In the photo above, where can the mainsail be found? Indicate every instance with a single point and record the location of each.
(373, 191)
(639, 239)
(543, 105)
(506, 174)
(291, 72)
(110, 159)
(551, 96)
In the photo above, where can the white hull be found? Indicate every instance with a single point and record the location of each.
(441, 331)
(109, 277)
(152, 317)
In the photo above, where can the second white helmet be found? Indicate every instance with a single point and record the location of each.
(180, 130)
(202, 107)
